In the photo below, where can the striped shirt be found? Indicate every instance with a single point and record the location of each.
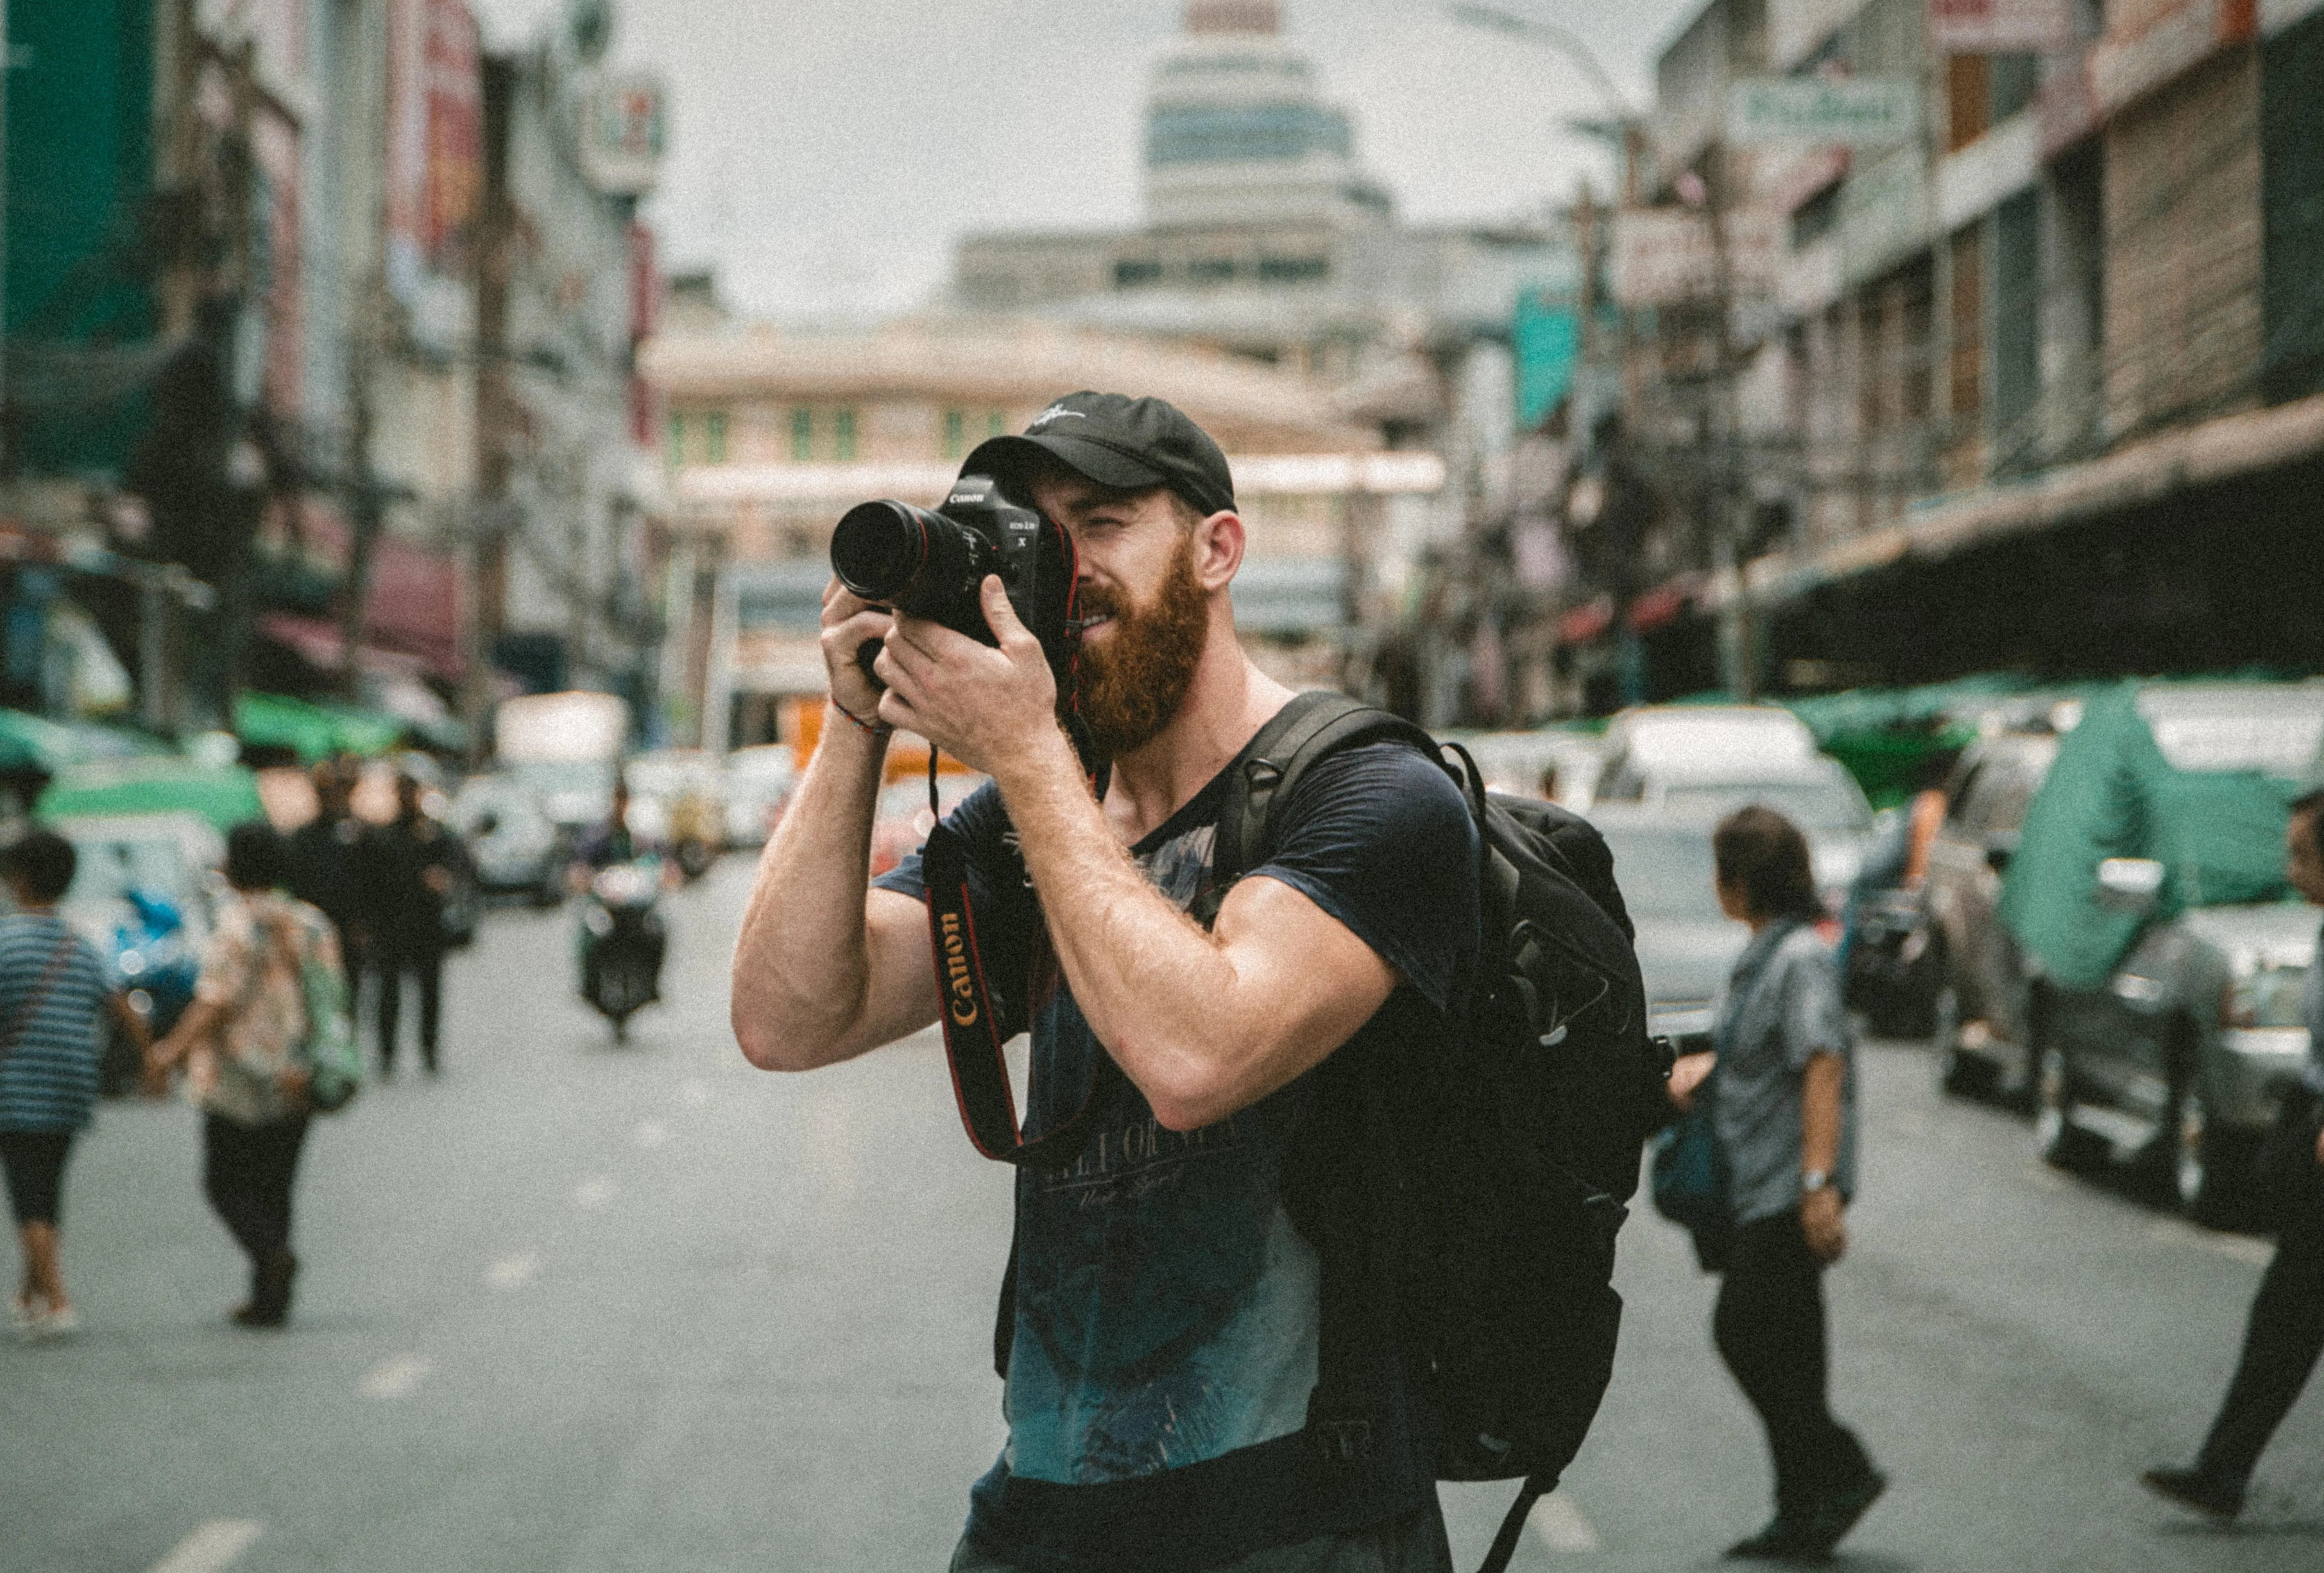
(48, 1072)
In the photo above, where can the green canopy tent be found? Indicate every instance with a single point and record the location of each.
(224, 795)
(2111, 794)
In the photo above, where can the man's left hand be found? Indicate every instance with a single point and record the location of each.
(976, 703)
(1825, 1224)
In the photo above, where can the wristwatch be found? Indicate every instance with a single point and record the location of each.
(1813, 1179)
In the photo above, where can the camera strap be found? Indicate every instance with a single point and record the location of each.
(973, 1018)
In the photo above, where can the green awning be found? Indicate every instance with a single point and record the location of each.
(34, 742)
(314, 731)
(224, 795)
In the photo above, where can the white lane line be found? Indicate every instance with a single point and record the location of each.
(651, 1134)
(210, 1548)
(514, 1272)
(397, 1376)
(694, 1092)
(2242, 1247)
(594, 1192)
(1561, 1526)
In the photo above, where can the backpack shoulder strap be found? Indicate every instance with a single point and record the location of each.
(1312, 726)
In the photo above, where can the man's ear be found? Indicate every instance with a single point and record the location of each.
(1218, 543)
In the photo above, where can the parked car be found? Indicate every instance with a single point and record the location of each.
(1738, 739)
(1978, 1019)
(759, 784)
(1686, 944)
(2178, 1056)
(142, 895)
(512, 842)
(1813, 792)
(1550, 763)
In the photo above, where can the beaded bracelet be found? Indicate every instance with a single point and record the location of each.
(874, 728)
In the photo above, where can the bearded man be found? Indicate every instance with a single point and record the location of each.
(1170, 1279)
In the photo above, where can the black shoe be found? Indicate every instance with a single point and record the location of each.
(1783, 1540)
(1838, 1513)
(2208, 1495)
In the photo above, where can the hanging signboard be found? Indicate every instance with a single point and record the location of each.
(623, 135)
(1847, 111)
(1667, 256)
(2001, 27)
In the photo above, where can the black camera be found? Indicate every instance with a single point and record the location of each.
(933, 565)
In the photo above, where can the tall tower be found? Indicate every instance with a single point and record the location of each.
(1237, 130)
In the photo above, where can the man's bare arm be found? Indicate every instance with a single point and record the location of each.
(1203, 1024)
(825, 967)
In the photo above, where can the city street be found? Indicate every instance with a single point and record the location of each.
(585, 1309)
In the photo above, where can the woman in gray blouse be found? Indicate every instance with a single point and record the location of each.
(1784, 1112)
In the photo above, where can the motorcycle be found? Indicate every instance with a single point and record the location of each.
(622, 939)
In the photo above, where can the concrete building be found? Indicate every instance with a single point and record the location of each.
(2051, 371)
(768, 436)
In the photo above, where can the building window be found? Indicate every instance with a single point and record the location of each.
(1129, 275)
(1294, 270)
(1212, 270)
(674, 449)
(713, 437)
(802, 435)
(843, 436)
(996, 424)
(955, 434)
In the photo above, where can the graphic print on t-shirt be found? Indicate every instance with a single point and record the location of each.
(1166, 1305)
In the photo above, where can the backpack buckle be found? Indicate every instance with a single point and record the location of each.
(1342, 1441)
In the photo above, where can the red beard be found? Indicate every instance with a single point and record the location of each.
(1132, 684)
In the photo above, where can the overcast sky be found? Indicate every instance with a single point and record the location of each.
(824, 153)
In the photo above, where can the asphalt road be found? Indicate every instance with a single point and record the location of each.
(579, 1309)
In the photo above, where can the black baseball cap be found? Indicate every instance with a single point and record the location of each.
(1115, 441)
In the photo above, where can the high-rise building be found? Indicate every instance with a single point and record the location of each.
(1238, 132)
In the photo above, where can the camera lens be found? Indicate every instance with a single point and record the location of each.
(879, 549)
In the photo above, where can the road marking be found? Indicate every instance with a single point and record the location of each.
(594, 1192)
(514, 1272)
(1561, 1526)
(651, 1134)
(694, 1092)
(397, 1376)
(2242, 1247)
(210, 1548)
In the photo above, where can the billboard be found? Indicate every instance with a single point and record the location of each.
(625, 134)
(1548, 340)
(1667, 256)
(435, 141)
(1845, 111)
(2000, 27)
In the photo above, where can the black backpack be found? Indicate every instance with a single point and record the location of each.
(1510, 1164)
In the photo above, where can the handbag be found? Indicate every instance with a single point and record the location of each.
(1690, 1183)
(37, 997)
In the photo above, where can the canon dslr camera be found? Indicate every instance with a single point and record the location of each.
(933, 565)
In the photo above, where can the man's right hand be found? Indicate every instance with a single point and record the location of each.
(849, 623)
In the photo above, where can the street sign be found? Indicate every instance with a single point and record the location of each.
(1547, 339)
(1852, 111)
(1667, 256)
(2001, 27)
(622, 141)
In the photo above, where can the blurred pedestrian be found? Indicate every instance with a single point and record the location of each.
(2285, 1331)
(240, 1037)
(413, 864)
(328, 855)
(1783, 1115)
(54, 999)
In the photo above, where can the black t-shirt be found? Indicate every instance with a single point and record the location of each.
(1167, 1309)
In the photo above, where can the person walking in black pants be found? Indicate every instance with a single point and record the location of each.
(239, 1039)
(412, 866)
(1783, 1111)
(2285, 1334)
